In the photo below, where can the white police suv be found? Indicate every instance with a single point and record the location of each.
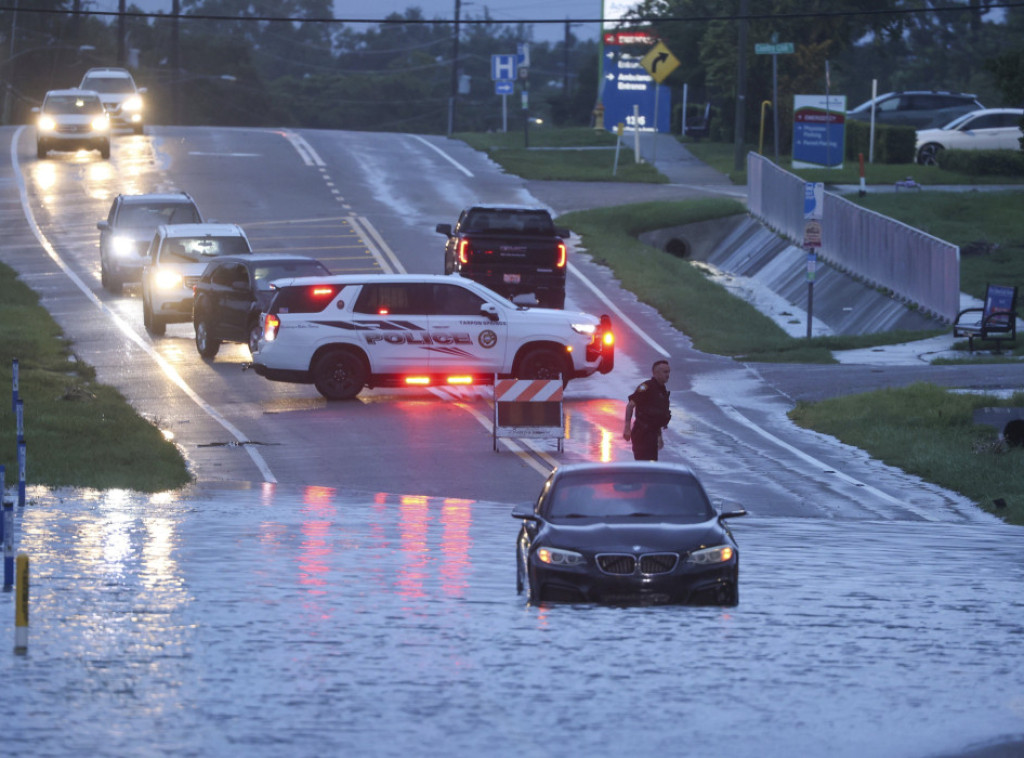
(344, 333)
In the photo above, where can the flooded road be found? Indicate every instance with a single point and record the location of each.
(271, 620)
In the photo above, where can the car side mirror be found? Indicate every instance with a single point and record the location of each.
(103, 226)
(733, 514)
(561, 231)
(524, 511)
(490, 310)
(141, 90)
(445, 229)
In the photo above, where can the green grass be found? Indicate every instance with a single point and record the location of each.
(715, 320)
(929, 431)
(720, 156)
(78, 433)
(577, 155)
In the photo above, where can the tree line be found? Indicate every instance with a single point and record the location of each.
(283, 65)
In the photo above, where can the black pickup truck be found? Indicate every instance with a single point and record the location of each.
(511, 250)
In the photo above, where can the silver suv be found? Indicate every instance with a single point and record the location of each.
(178, 255)
(126, 232)
(120, 96)
(71, 119)
(920, 109)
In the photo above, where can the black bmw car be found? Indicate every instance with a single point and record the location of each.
(624, 533)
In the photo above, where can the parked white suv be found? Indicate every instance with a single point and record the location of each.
(120, 96)
(344, 333)
(177, 257)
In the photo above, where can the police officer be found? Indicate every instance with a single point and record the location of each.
(650, 401)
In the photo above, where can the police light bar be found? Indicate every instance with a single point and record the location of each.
(460, 380)
(422, 381)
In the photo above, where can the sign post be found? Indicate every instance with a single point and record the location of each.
(659, 63)
(774, 49)
(503, 74)
(814, 200)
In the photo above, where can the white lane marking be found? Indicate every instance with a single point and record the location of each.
(225, 155)
(383, 255)
(735, 415)
(444, 155)
(125, 328)
(309, 156)
(488, 424)
(375, 241)
(622, 316)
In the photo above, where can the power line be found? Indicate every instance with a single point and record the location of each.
(490, 21)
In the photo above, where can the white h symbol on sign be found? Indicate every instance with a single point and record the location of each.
(503, 68)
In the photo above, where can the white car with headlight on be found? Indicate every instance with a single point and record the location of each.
(126, 232)
(72, 119)
(177, 257)
(120, 96)
(344, 333)
(985, 129)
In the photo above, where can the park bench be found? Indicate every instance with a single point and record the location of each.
(996, 321)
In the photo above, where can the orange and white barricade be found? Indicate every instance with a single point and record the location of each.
(528, 409)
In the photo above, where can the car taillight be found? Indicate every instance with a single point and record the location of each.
(563, 255)
(464, 251)
(271, 324)
(603, 342)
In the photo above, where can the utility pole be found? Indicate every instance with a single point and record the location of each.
(741, 89)
(455, 70)
(565, 63)
(121, 53)
(175, 70)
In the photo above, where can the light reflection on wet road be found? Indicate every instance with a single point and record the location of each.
(314, 622)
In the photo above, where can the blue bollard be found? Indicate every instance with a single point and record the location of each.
(8, 544)
(14, 384)
(21, 472)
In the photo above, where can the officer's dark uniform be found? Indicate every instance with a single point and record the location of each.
(650, 401)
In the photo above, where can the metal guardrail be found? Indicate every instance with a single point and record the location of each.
(916, 267)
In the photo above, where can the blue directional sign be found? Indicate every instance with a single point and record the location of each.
(627, 83)
(503, 68)
(504, 87)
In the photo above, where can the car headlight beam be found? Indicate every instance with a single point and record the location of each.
(122, 247)
(711, 555)
(165, 279)
(555, 556)
(587, 329)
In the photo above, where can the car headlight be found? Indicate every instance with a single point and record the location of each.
(587, 329)
(165, 279)
(47, 124)
(133, 103)
(100, 123)
(122, 247)
(558, 557)
(710, 555)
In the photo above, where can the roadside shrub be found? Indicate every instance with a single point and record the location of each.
(893, 144)
(983, 162)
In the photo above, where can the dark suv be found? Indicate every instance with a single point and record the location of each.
(129, 227)
(235, 289)
(917, 108)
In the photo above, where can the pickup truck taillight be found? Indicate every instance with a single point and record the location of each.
(271, 324)
(563, 255)
(464, 251)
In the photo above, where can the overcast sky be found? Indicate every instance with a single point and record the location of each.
(499, 10)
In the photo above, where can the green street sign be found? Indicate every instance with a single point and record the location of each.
(779, 48)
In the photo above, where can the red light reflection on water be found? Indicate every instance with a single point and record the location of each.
(456, 518)
(316, 537)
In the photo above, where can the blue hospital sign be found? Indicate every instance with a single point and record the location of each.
(627, 84)
(819, 131)
(503, 68)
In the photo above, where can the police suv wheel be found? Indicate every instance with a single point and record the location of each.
(339, 375)
(543, 363)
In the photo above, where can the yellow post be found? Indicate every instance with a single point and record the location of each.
(21, 605)
(760, 144)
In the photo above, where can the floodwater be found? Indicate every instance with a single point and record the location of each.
(268, 620)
